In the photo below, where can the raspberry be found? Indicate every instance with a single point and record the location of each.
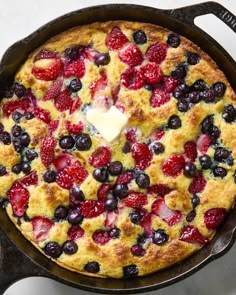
(74, 128)
(135, 200)
(190, 150)
(31, 179)
(102, 192)
(214, 217)
(173, 165)
(75, 232)
(75, 69)
(156, 52)
(198, 184)
(53, 90)
(152, 73)
(126, 177)
(92, 208)
(47, 150)
(142, 155)
(159, 189)
(21, 105)
(77, 171)
(159, 97)
(100, 157)
(101, 237)
(191, 234)
(131, 55)
(116, 39)
(64, 180)
(51, 72)
(44, 54)
(132, 79)
(169, 84)
(63, 101)
(41, 228)
(203, 143)
(131, 134)
(18, 197)
(53, 125)
(75, 105)
(42, 115)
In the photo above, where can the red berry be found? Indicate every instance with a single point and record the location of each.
(135, 200)
(137, 250)
(142, 155)
(190, 150)
(146, 224)
(75, 232)
(75, 68)
(169, 84)
(62, 161)
(97, 87)
(47, 150)
(64, 180)
(159, 189)
(42, 115)
(102, 192)
(116, 39)
(198, 184)
(101, 237)
(21, 105)
(75, 105)
(92, 208)
(157, 52)
(214, 217)
(41, 228)
(173, 165)
(131, 55)
(126, 177)
(74, 128)
(31, 179)
(159, 97)
(111, 218)
(51, 72)
(100, 157)
(157, 134)
(18, 197)
(131, 134)
(203, 143)
(152, 73)
(63, 101)
(53, 125)
(191, 234)
(44, 54)
(53, 90)
(77, 171)
(132, 79)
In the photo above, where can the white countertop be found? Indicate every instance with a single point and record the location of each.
(20, 18)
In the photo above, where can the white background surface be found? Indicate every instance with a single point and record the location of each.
(20, 18)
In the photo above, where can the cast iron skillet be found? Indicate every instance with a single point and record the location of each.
(18, 257)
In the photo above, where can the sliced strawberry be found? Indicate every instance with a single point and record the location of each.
(159, 189)
(103, 190)
(115, 93)
(53, 90)
(142, 155)
(63, 101)
(75, 105)
(75, 232)
(18, 197)
(41, 228)
(116, 39)
(135, 200)
(132, 79)
(190, 150)
(146, 224)
(111, 218)
(52, 126)
(170, 216)
(100, 157)
(173, 165)
(49, 72)
(191, 234)
(92, 208)
(159, 97)
(77, 171)
(214, 217)
(21, 105)
(156, 52)
(131, 55)
(47, 150)
(31, 179)
(126, 177)
(152, 73)
(42, 115)
(74, 128)
(97, 87)
(64, 180)
(203, 143)
(169, 84)
(44, 54)
(62, 161)
(198, 184)
(101, 237)
(75, 68)
(157, 134)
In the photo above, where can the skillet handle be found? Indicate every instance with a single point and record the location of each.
(187, 14)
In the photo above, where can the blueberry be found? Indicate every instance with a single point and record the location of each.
(229, 114)
(25, 139)
(183, 106)
(207, 95)
(126, 148)
(74, 216)
(114, 233)
(120, 191)
(181, 91)
(190, 170)
(142, 239)
(73, 53)
(115, 168)
(31, 154)
(142, 180)
(16, 116)
(100, 174)
(199, 85)
(174, 122)
(19, 89)
(193, 58)
(191, 215)
(137, 250)
(17, 168)
(102, 59)
(160, 237)
(194, 97)
(70, 247)
(3, 203)
(26, 168)
(77, 193)
(5, 138)
(221, 154)
(205, 162)
(219, 172)
(3, 170)
(17, 146)
(219, 89)
(16, 130)
(9, 92)
(179, 72)
(140, 37)
(214, 133)
(75, 85)
(92, 267)
(173, 40)
(53, 249)
(83, 142)
(111, 204)
(207, 124)
(135, 217)
(149, 87)
(66, 142)
(130, 271)
(60, 212)
(29, 115)
(49, 176)
(157, 147)
(195, 201)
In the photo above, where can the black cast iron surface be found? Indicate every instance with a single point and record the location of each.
(18, 257)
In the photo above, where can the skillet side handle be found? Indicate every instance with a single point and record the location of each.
(187, 14)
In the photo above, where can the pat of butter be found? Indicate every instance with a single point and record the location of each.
(108, 123)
